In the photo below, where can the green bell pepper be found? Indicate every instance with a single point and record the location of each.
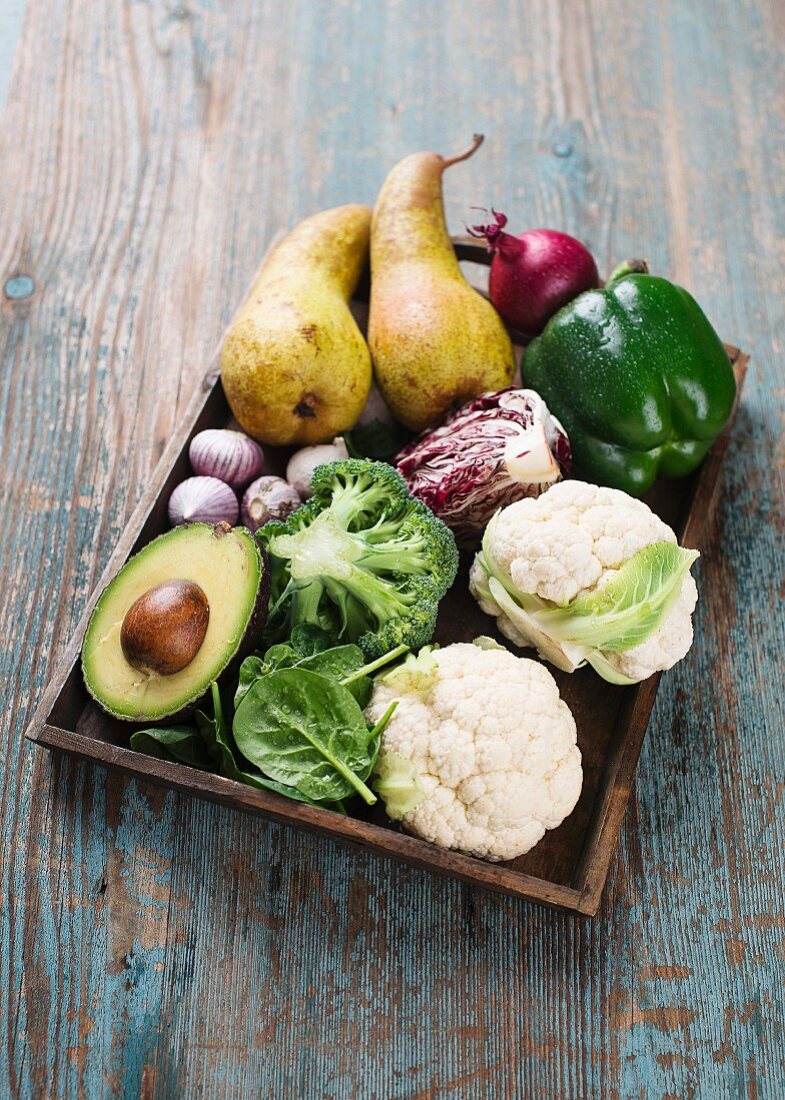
(638, 378)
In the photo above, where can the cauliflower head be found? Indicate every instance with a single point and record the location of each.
(491, 746)
(547, 554)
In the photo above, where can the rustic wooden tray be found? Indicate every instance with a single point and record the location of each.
(569, 866)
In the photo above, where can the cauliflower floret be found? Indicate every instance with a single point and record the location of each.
(494, 748)
(568, 542)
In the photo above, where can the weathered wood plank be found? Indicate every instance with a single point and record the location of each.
(149, 152)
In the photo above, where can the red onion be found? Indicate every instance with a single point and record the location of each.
(230, 456)
(535, 274)
(498, 448)
(203, 500)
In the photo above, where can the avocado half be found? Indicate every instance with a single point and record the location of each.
(228, 565)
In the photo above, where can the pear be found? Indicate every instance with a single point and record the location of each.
(435, 341)
(294, 365)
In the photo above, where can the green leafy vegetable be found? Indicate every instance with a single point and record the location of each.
(250, 670)
(307, 732)
(220, 744)
(377, 439)
(346, 665)
(180, 744)
(307, 642)
(294, 691)
(398, 784)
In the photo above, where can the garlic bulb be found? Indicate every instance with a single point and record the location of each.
(266, 499)
(230, 456)
(203, 500)
(303, 463)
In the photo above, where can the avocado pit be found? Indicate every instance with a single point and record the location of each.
(165, 627)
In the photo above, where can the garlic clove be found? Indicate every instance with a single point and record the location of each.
(230, 456)
(303, 463)
(203, 500)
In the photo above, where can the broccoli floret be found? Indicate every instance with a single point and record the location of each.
(362, 559)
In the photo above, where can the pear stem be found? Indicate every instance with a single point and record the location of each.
(477, 141)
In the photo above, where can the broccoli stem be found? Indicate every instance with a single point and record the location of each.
(305, 603)
(350, 502)
(391, 558)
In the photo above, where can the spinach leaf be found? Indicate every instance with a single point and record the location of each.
(250, 671)
(181, 744)
(282, 655)
(339, 663)
(308, 732)
(377, 439)
(220, 744)
(336, 663)
(308, 639)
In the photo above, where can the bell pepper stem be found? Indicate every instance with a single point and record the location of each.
(628, 267)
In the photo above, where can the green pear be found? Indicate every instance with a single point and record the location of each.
(435, 341)
(294, 365)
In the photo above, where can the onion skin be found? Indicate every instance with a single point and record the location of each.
(533, 275)
(203, 500)
(230, 456)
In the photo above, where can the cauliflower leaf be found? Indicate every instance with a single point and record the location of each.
(628, 607)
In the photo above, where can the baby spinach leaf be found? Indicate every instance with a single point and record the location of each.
(282, 655)
(308, 639)
(340, 663)
(306, 731)
(250, 671)
(220, 743)
(377, 439)
(181, 744)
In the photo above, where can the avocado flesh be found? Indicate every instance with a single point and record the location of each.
(227, 565)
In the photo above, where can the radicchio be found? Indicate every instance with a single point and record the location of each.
(496, 449)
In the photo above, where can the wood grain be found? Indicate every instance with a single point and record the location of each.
(152, 945)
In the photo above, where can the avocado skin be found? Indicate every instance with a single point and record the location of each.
(250, 642)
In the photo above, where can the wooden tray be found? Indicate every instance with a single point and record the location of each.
(569, 866)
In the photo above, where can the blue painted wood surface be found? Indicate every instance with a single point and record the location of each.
(154, 945)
